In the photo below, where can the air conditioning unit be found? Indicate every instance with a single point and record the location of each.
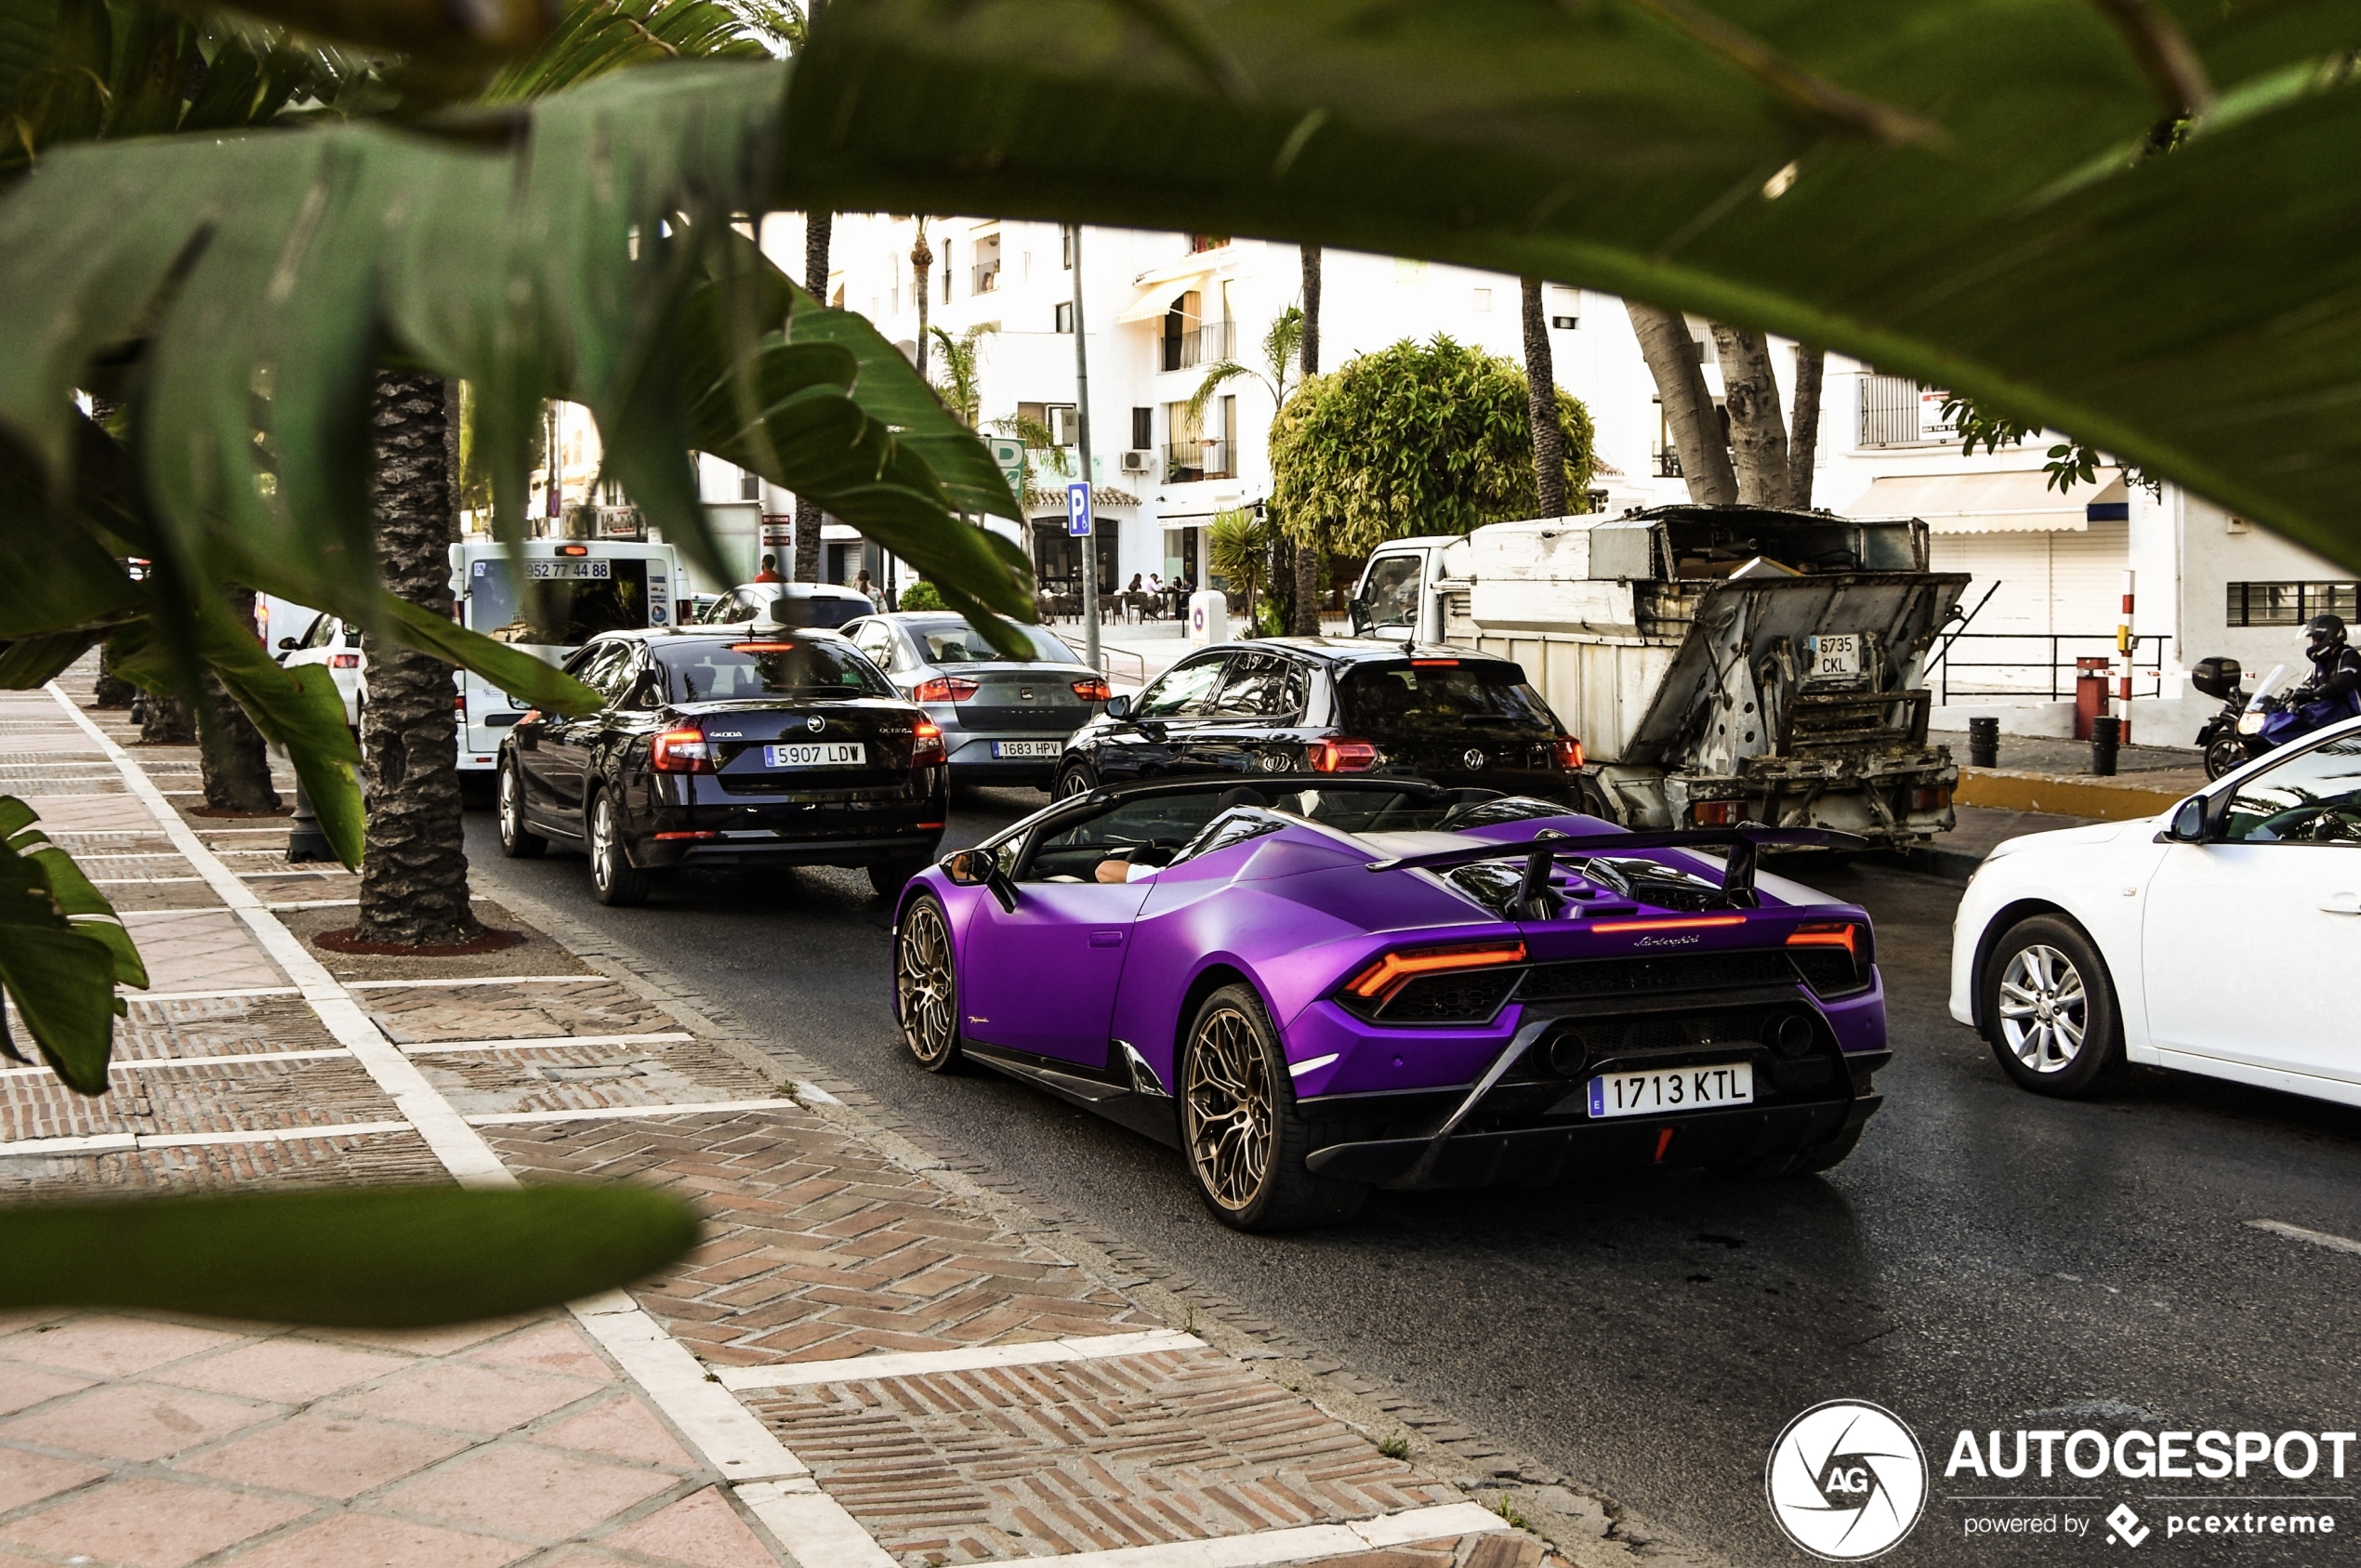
(1137, 462)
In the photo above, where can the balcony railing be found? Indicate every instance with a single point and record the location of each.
(987, 276)
(1187, 461)
(1206, 344)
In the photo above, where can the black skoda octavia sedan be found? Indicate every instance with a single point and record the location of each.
(744, 745)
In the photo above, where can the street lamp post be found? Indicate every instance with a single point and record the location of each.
(1082, 438)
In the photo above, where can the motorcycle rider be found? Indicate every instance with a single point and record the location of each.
(2331, 693)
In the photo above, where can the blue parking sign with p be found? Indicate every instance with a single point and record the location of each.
(1078, 510)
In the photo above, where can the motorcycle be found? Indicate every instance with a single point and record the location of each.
(2236, 735)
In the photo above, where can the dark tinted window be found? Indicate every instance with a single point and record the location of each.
(565, 602)
(1419, 697)
(707, 672)
(958, 642)
(1260, 686)
(820, 610)
(1182, 692)
(2313, 797)
(601, 666)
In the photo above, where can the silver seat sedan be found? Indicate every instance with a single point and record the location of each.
(1005, 721)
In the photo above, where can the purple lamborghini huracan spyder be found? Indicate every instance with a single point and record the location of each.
(1313, 986)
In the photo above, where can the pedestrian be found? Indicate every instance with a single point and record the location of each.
(770, 572)
(866, 588)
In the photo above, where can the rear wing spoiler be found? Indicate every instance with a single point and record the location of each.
(1540, 853)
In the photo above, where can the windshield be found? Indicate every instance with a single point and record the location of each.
(567, 601)
(725, 671)
(1418, 696)
(958, 643)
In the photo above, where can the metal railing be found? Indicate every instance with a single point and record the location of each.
(1208, 343)
(2035, 666)
(1890, 412)
(1189, 460)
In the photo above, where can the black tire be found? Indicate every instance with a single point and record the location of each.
(2062, 1032)
(2224, 757)
(891, 878)
(926, 984)
(613, 880)
(517, 842)
(1235, 1094)
(1075, 778)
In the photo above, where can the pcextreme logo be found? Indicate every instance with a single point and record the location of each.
(1846, 1481)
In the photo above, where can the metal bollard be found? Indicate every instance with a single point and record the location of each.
(1984, 743)
(2104, 733)
(305, 841)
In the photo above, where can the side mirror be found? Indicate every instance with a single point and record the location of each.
(1358, 608)
(1119, 707)
(981, 868)
(2189, 822)
(287, 645)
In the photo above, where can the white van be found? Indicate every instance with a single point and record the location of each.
(573, 589)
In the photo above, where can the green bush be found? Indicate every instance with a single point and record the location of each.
(921, 595)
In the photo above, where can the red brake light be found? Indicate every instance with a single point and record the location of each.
(1930, 797)
(762, 648)
(1713, 813)
(349, 661)
(1434, 664)
(928, 748)
(1092, 691)
(680, 751)
(1569, 753)
(946, 689)
(574, 549)
(1336, 755)
(1829, 933)
(1395, 968)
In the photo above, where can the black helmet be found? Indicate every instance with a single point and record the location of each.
(2324, 633)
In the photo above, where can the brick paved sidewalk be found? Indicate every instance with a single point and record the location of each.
(860, 1366)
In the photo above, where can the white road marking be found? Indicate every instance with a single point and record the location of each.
(211, 995)
(2316, 1238)
(545, 1041)
(150, 1064)
(624, 1112)
(968, 1358)
(1303, 1543)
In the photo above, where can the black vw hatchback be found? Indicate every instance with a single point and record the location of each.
(1325, 705)
(750, 745)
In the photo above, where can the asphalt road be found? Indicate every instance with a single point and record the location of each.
(1986, 1259)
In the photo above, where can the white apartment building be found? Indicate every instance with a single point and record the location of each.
(1158, 308)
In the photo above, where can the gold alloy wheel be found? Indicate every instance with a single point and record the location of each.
(925, 985)
(1228, 1110)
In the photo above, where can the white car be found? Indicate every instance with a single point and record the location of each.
(2215, 938)
(337, 644)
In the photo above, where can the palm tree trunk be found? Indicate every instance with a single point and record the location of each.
(1689, 415)
(233, 762)
(414, 878)
(1310, 559)
(1758, 431)
(1541, 401)
(1804, 428)
(112, 690)
(164, 719)
(818, 228)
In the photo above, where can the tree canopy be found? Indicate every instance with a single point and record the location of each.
(1421, 438)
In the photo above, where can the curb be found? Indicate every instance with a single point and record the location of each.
(2123, 798)
(1589, 1528)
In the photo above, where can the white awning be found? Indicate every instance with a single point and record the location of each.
(2017, 502)
(1158, 288)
